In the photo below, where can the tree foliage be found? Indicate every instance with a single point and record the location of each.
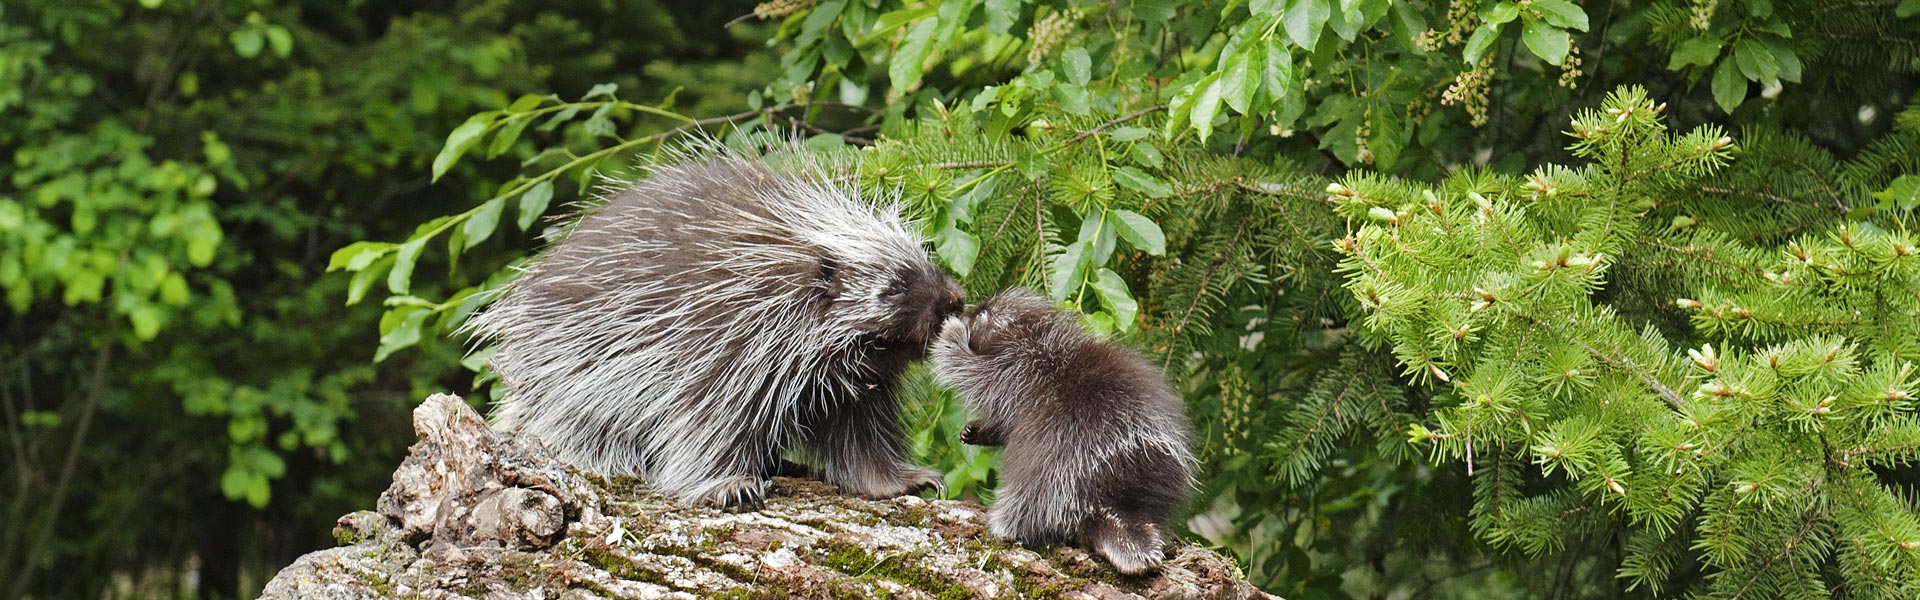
(1667, 363)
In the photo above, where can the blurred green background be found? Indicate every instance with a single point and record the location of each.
(184, 392)
(186, 404)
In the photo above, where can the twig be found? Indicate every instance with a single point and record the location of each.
(59, 496)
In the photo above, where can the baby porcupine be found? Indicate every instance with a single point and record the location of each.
(711, 316)
(1096, 443)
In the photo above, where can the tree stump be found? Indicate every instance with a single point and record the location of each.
(476, 513)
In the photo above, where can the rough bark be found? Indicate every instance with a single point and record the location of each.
(475, 513)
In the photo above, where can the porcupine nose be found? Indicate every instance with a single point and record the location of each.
(955, 301)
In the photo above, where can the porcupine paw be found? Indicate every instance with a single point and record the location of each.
(979, 433)
(907, 481)
(737, 491)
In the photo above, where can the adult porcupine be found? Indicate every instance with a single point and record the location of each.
(1096, 443)
(715, 314)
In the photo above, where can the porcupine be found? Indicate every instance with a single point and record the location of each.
(1096, 443)
(715, 314)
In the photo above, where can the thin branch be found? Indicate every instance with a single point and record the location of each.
(1122, 119)
(58, 498)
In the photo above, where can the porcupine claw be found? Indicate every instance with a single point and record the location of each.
(746, 492)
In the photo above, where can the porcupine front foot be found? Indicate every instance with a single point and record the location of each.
(744, 491)
(1133, 546)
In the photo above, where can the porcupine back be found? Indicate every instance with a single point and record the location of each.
(692, 325)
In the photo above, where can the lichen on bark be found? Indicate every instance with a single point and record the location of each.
(476, 513)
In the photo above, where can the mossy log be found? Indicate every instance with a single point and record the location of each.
(476, 513)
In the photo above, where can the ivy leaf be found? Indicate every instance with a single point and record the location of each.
(1561, 13)
(1480, 43)
(1238, 81)
(1140, 231)
(905, 68)
(1112, 290)
(1699, 51)
(1140, 181)
(1756, 61)
(462, 138)
(481, 224)
(1729, 87)
(1546, 41)
(400, 279)
(1304, 20)
(534, 202)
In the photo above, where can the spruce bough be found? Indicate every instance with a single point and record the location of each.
(1731, 407)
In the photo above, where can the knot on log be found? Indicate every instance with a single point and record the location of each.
(475, 513)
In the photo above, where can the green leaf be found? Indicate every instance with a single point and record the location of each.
(1756, 61)
(1790, 67)
(480, 225)
(1238, 80)
(1076, 65)
(905, 68)
(1128, 134)
(1146, 155)
(146, 319)
(1155, 11)
(1065, 274)
(1073, 99)
(1904, 192)
(1140, 231)
(1480, 43)
(534, 202)
(1097, 230)
(1304, 19)
(957, 248)
(1729, 87)
(1561, 13)
(247, 41)
(1546, 41)
(1760, 8)
(1265, 8)
(504, 138)
(1205, 105)
(1699, 51)
(174, 292)
(462, 138)
(1112, 290)
(1140, 181)
(1907, 8)
(280, 40)
(358, 255)
(363, 280)
(400, 279)
(1001, 14)
(1501, 13)
(404, 334)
